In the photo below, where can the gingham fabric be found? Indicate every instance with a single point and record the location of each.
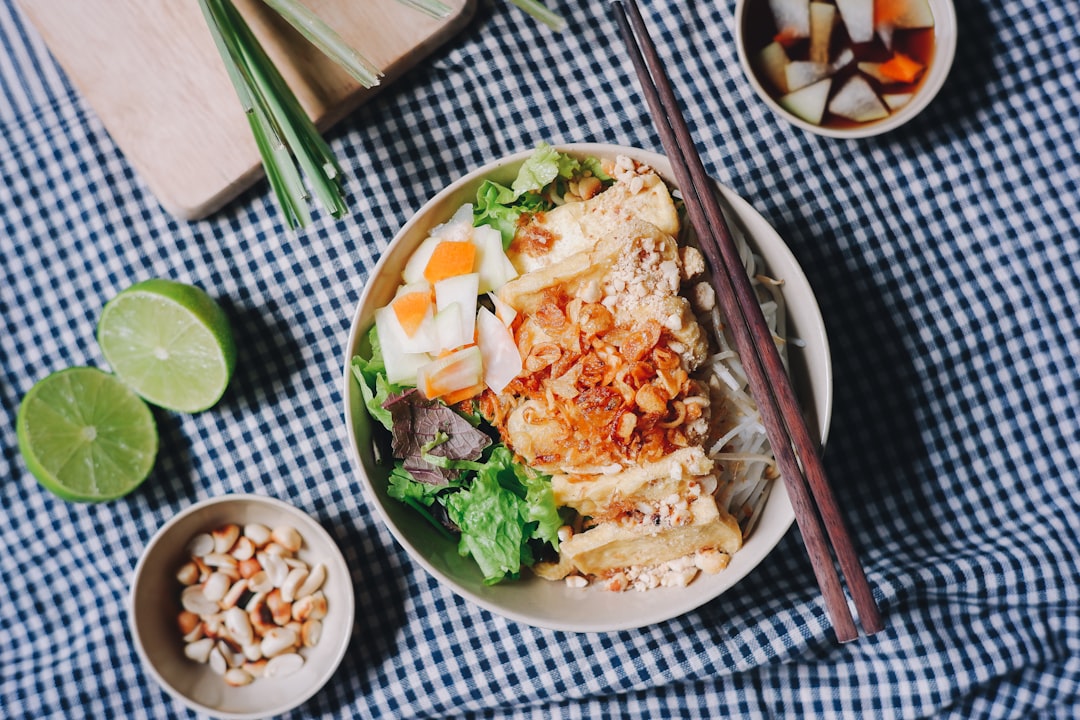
(945, 257)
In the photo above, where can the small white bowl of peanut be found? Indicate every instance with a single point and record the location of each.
(241, 606)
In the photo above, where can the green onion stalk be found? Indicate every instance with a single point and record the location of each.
(291, 147)
(540, 11)
(434, 8)
(323, 37)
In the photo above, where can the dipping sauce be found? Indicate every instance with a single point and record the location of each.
(840, 63)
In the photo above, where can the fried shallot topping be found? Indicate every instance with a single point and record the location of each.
(594, 394)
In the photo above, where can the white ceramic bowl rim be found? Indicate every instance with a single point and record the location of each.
(555, 606)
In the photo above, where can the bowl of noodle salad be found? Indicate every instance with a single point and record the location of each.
(542, 401)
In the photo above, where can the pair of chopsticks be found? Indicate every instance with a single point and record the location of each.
(796, 451)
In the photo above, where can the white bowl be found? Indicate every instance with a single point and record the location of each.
(944, 52)
(154, 604)
(544, 603)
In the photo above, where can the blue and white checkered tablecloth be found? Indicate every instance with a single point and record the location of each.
(946, 258)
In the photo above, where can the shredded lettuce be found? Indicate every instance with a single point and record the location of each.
(491, 529)
(506, 506)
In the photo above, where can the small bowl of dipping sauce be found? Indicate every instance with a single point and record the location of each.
(846, 68)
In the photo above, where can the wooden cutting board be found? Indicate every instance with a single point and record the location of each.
(150, 70)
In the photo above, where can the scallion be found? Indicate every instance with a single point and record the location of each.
(434, 8)
(288, 142)
(540, 11)
(290, 146)
(326, 39)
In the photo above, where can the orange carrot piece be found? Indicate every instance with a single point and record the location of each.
(451, 351)
(901, 68)
(786, 37)
(887, 11)
(411, 309)
(451, 258)
(453, 398)
(463, 368)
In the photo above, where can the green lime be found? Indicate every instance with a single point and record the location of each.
(170, 342)
(85, 435)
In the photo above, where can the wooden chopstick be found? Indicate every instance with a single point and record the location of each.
(796, 451)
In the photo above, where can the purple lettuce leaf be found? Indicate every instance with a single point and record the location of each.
(417, 421)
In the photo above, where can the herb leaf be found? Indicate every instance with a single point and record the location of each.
(419, 423)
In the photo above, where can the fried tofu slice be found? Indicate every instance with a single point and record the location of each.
(646, 507)
(611, 546)
(594, 262)
(552, 236)
(598, 495)
(634, 270)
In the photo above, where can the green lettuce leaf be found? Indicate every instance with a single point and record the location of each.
(505, 507)
(421, 497)
(501, 207)
(493, 208)
(592, 164)
(539, 506)
(541, 169)
(489, 516)
(403, 486)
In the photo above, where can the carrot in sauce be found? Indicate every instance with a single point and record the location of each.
(901, 68)
(786, 37)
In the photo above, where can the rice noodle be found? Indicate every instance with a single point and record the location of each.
(739, 445)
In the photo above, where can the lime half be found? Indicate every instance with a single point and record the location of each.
(170, 342)
(85, 435)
